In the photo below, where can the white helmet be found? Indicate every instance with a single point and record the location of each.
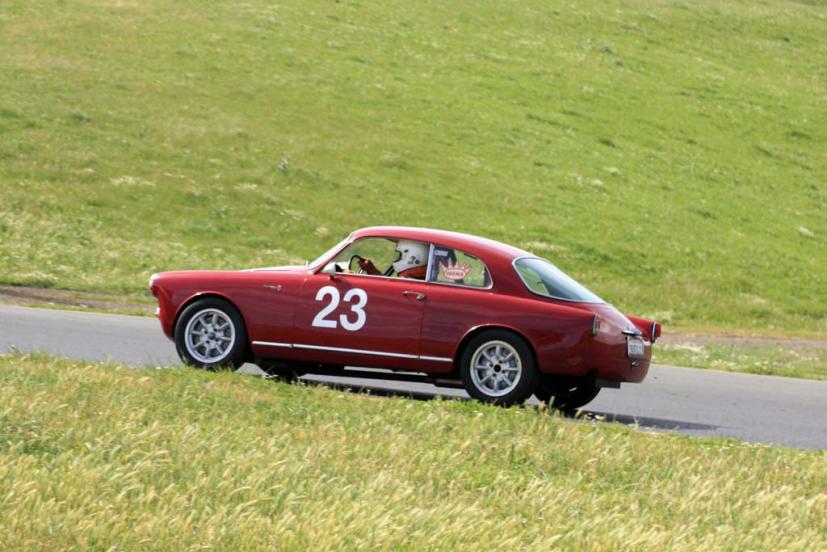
(412, 254)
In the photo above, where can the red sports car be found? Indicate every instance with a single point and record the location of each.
(423, 305)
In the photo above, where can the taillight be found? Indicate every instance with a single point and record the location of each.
(655, 331)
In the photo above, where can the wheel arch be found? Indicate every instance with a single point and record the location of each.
(214, 295)
(476, 330)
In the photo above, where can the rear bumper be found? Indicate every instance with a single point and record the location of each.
(631, 370)
(609, 360)
(603, 356)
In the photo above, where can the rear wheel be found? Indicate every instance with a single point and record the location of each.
(210, 334)
(497, 366)
(566, 393)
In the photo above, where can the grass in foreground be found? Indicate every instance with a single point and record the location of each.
(103, 456)
(669, 155)
(771, 360)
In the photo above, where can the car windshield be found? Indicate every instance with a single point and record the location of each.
(543, 278)
(321, 258)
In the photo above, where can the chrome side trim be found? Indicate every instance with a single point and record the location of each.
(463, 286)
(273, 344)
(354, 351)
(435, 359)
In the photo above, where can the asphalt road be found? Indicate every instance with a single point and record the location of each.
(759, 409)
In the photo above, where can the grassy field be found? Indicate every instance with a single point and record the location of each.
(103, 456)
(668, 154)
(771, 360)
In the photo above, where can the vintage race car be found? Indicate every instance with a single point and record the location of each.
(421, 305)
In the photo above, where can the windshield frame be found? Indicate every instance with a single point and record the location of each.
(320, 262)
(600, 301)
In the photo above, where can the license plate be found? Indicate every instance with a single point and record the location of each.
(634, 347)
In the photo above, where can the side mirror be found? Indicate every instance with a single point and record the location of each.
(330, 269)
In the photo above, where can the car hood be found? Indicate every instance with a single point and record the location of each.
(284, 268)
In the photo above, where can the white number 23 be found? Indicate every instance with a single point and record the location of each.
(358, 298)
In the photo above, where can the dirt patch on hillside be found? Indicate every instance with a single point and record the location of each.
(793, 343)
(31, 296)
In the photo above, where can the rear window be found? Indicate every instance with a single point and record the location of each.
(543, 278)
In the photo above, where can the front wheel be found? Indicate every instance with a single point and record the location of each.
(284, 371)
(210, 334)
(564, 393)
(497, 366)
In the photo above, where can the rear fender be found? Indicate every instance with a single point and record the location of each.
(650, 329)
(483, 327)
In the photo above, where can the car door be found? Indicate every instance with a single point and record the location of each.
(459, 299)
(360, 320)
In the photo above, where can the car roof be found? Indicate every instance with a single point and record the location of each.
(475, 245)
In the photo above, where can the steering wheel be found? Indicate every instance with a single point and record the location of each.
(350, 264)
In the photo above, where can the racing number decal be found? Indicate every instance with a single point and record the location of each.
(357, 307)
(320, 321)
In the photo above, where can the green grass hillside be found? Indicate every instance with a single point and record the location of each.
(103, 458)
(671, 155)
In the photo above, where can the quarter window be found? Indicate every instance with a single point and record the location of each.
(543, 278)
(451, 266)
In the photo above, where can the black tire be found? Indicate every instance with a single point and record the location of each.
(566, 393)
(229, 342)
(284, 371)
(478, 382)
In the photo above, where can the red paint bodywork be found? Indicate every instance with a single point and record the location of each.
(278, 306)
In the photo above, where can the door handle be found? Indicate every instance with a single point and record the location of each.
(418, 296)
(273, 287)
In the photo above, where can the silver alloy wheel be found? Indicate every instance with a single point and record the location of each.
(496, 368)
(209, 336)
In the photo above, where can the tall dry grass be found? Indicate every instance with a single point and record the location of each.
(104, 457)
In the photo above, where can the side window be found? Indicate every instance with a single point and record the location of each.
(379, 252)
(451, 266)
(385, 257)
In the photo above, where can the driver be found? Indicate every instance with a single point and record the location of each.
(411, 261)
